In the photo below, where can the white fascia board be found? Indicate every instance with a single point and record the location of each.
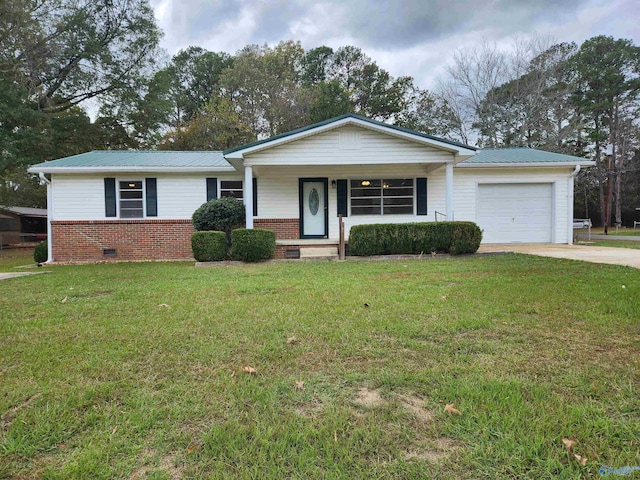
(525, 165)
(89, 170)
(461, 151)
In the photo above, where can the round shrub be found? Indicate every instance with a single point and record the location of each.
(252, 245)
(222, 214)
(41, 252)
(209, 246)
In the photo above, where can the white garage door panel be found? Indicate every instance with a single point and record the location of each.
(510, 213)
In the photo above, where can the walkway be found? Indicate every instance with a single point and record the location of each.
(610, 255)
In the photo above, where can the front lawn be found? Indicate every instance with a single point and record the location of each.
(617, 243)
(136, 370)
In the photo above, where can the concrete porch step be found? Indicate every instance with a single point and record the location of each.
(318, 253)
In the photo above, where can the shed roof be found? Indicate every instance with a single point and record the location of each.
(25, 211)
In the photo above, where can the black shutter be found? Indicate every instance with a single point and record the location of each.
(255, 197)
(212, 188)
(421, 195)
(342, 198)
(109, 197)
(151, 193)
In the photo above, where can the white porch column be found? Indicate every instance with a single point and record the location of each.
(248, 195)
(449, 191)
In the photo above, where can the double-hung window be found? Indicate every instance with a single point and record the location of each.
(382, 196)
(231, 188)
(131, 199)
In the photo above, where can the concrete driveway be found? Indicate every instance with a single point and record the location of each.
(613, 256)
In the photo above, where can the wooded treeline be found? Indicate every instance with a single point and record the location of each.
(62, 58)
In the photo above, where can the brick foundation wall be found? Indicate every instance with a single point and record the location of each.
(85, 241)
(285, 228)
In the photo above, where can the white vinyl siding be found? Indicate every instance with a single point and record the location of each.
(349, 145)
(81, 197)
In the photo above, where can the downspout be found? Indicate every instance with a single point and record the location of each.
(49, 216)
(570, 203)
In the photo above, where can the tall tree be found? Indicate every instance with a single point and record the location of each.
(68, 51)
(264, 84)
(608, 86)
(218, 127)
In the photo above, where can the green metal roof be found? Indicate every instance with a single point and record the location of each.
(340, 117)
(520, 155)
(137, 158)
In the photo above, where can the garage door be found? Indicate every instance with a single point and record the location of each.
(515, 213)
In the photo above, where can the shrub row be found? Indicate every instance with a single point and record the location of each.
(246, 245)
(414, 238)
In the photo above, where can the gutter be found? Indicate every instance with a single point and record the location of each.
(570, 200)
(114, 169)
(49, 216)
(525, 165)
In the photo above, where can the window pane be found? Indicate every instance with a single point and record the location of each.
(365, 192)
(232, 193)
(365, 210)
(131, 185)
(365, 183)
(399, 201)
(128, 204)
(131, 194)
(231, 184)
(395, 192)
(391, 210)
(398, 182)
(135, 213)
(359, 202)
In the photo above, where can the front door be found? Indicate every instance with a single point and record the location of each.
(314, 214)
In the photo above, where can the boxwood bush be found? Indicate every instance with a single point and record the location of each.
(209, 246)
(221, 214)
(252, 245)
(41, 253)
(414, 238)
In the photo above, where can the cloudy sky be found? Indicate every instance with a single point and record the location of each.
(406, 37)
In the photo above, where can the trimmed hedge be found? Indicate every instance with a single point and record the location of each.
(41, 252)
(209, 246)
(252, 245)
(414, 238)
(221, 214)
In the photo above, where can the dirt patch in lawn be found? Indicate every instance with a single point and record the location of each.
(415, 406)
(438, 449)
(369, 398)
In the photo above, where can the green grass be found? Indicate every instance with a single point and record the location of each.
(529, 349)
(617, 244)
(15, 257)
(629, 232)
